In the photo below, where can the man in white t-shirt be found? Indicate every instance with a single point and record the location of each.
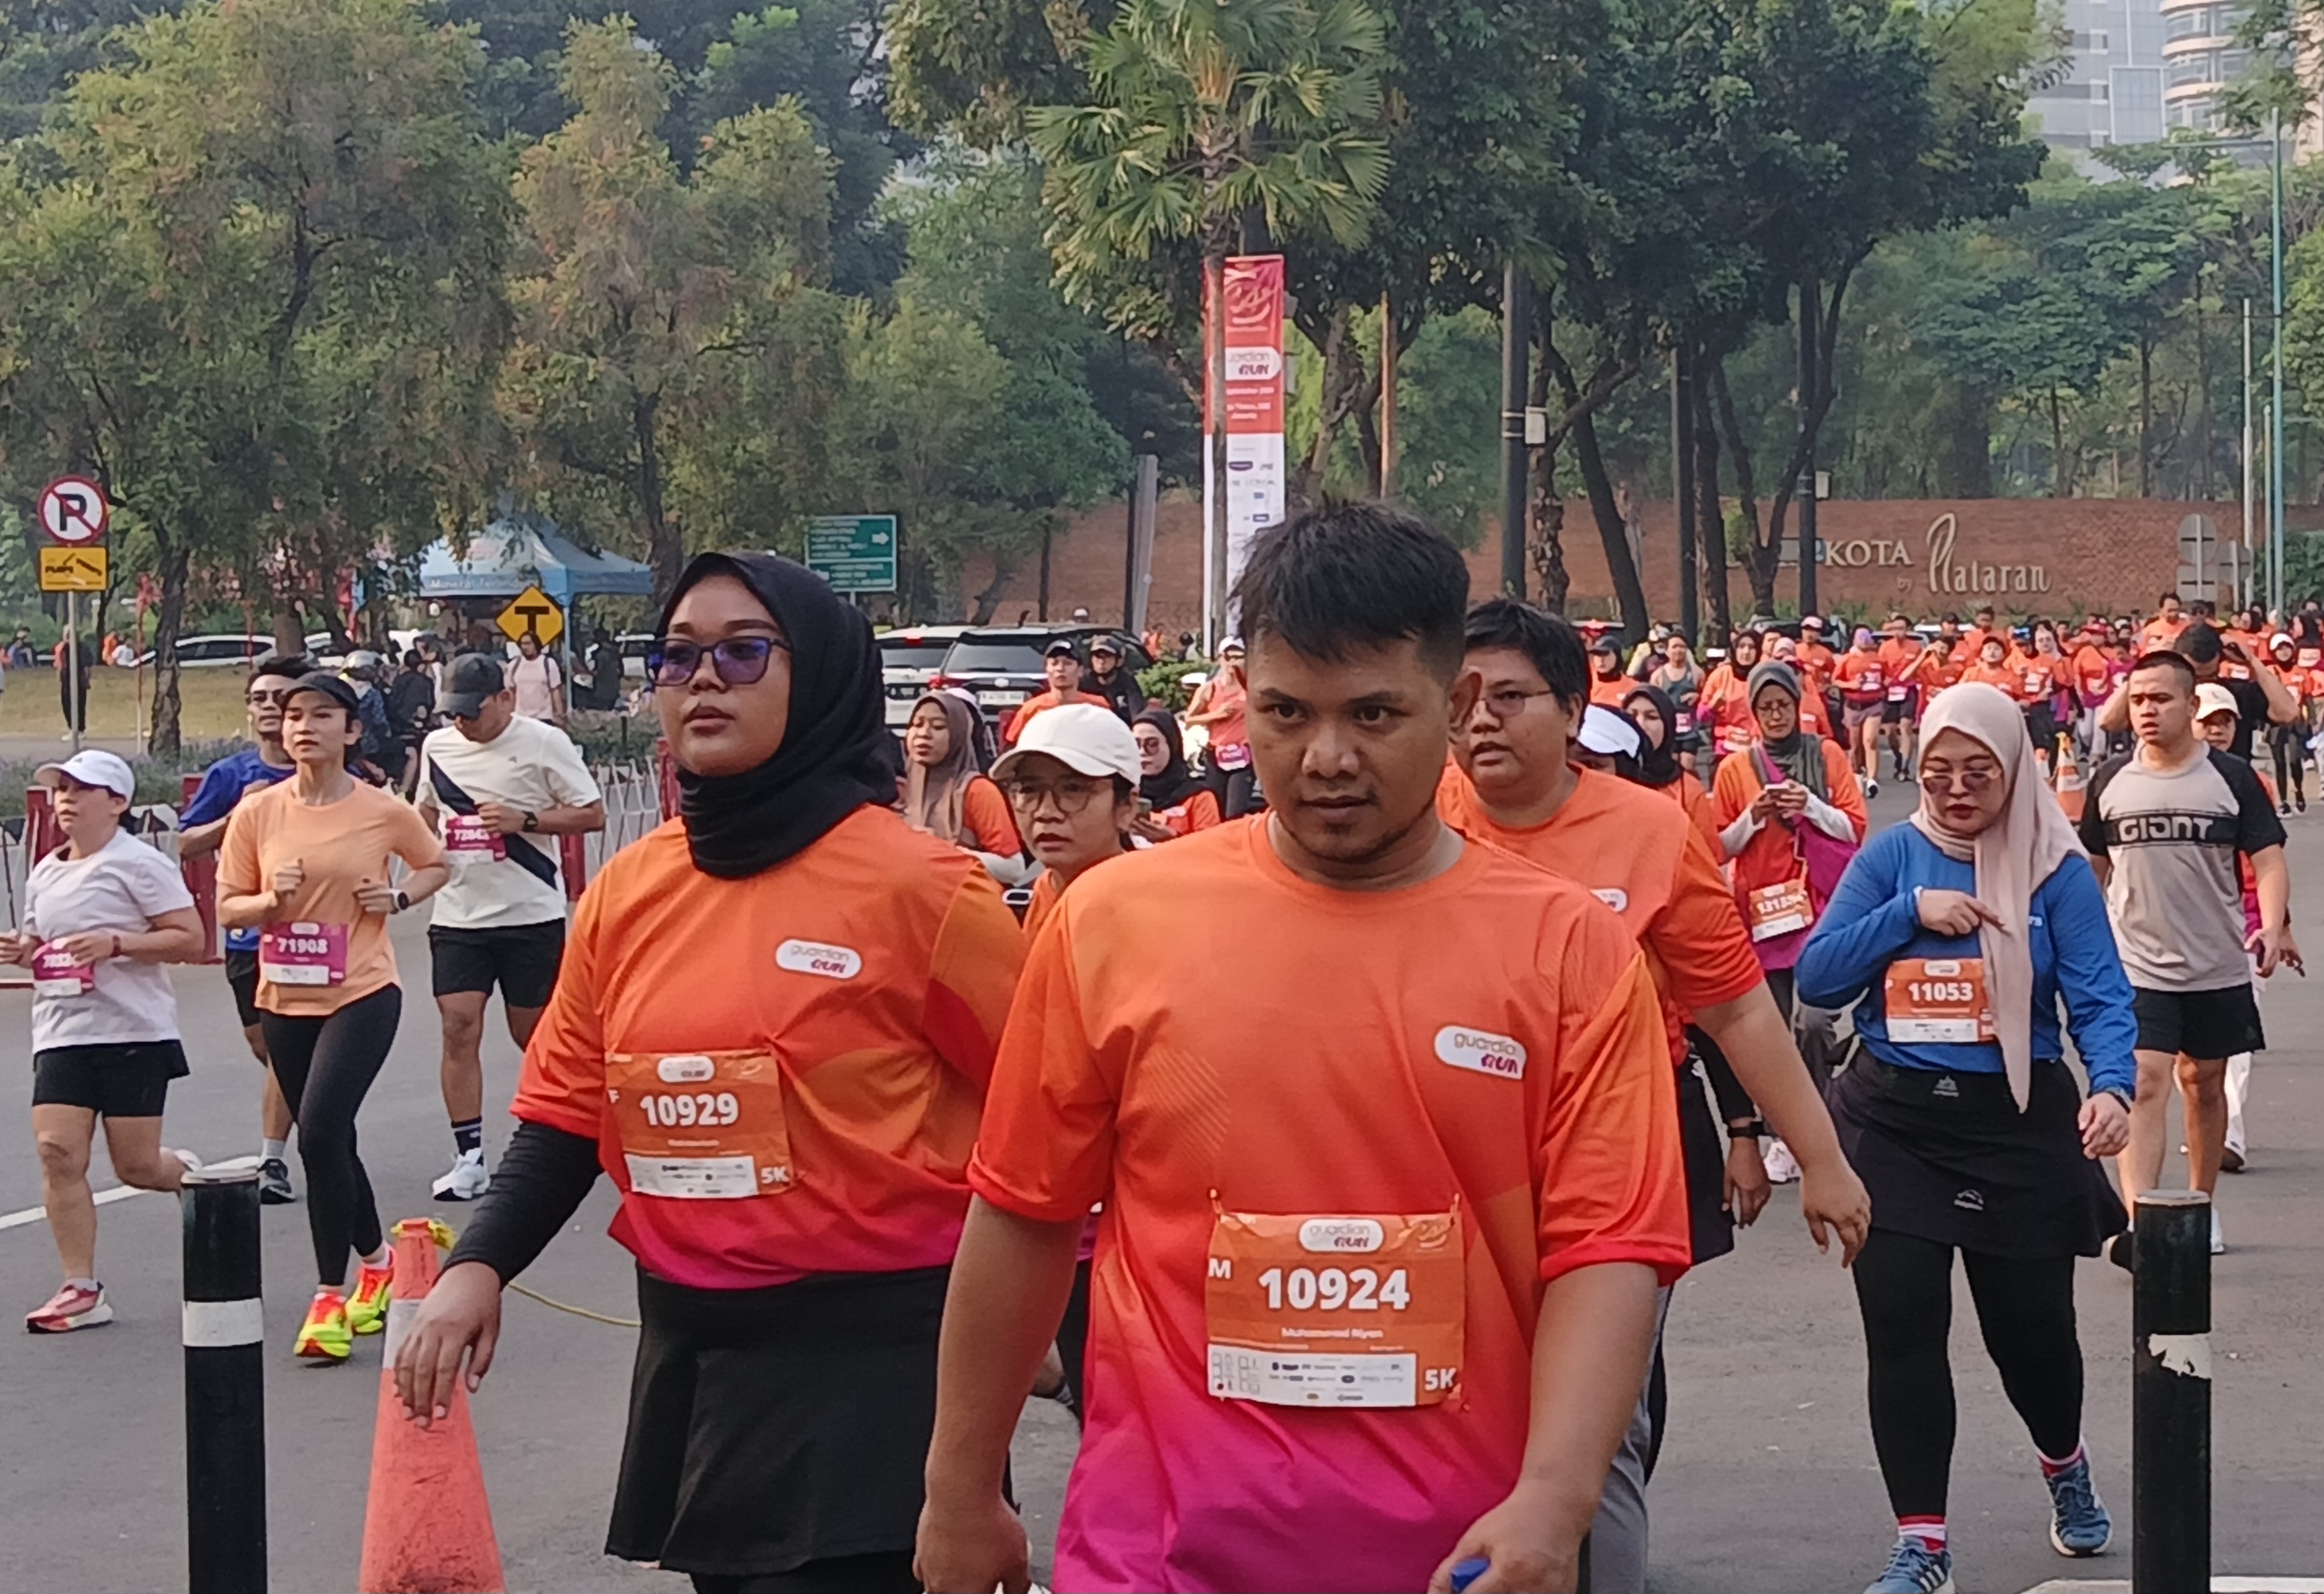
(500, 786)
(537, 682)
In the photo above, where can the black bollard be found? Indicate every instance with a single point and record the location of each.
(2170, 1398)
(225, 1387)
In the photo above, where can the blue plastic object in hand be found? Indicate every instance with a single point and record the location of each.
(1466, 1572)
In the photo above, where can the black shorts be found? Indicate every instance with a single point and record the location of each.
(520, 959)
(1901, 711)
(124, 1081)
(242, 973)
(2207, 1024)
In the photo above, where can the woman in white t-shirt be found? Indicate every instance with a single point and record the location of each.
(101, 915)
(537, 682)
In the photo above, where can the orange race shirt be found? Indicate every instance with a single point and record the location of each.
(339, 846)
(861, 985)
(1039, 701)
(1199, 811)
(2091, 673)
(2159, 633)
(986, 818)
(1862, 677)
(1770, 857)
(1046, 895)
(1938, 668)
(2007, 676)
(1643, 858)
(1610, 692)
(1511, 1089)
(1723, 709)
(1819, 657)
(2038, 675)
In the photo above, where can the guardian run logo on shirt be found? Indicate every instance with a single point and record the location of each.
(809, 957)
(1481, 1052)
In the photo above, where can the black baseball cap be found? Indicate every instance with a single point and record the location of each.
(329, 686)
(475, 677)
(1060, 649)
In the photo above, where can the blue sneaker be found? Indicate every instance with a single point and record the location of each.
(2078, 1524)
(1914, 1568)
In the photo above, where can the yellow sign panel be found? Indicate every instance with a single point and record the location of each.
(74, 569)
(533, 611)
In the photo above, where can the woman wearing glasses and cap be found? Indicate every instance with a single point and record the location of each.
(774, 1030)
(305, 862)
(1955, 936)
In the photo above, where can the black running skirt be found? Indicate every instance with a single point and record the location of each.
(769, 1427)
(1948, 1157)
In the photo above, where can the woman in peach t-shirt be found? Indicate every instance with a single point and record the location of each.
(305, 862)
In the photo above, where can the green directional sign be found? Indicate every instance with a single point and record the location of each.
(855, 553)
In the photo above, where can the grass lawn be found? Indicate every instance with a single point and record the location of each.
(211, 704)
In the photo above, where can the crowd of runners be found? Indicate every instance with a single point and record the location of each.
(1322, 1089)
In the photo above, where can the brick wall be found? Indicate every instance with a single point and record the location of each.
(2024, 556)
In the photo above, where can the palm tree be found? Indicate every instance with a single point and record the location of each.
(1203, 120)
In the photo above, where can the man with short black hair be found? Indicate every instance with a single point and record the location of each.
(2164, 824)
(201, 830)
(1061, 665)
(1375, 1286)
(1514, 787)
(500, 786)
(2260, 698)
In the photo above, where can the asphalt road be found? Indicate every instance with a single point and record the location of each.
(1767, 1481)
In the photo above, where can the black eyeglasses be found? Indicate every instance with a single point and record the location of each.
(738, 661)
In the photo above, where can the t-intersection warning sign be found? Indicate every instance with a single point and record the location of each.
(533, 613)
(73, 510)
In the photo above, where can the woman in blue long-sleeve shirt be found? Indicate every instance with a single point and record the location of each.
(1955, 938)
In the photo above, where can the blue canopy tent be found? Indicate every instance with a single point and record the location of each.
(517, 551)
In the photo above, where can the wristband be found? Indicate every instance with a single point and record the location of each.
(117, 943)
(1755, 1130)
(2118, 1096)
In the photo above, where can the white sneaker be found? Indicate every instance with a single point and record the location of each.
(1871, 788)
(1782, 1168)
(2219, 1240)
(467, 1179)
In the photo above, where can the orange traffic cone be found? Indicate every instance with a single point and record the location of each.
(2070, 782)
(427, 1525)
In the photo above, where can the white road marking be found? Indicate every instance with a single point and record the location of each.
(106, 1197)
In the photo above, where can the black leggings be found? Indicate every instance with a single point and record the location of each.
(2025, 1309)
(325, 1067)
(2291, 761)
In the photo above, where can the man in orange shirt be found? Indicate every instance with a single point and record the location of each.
(1062, 665)
(1433, 1230)
(1815, 653)
(1513, 787)
(1903, 652)
(1973, 643)
(2162, 634)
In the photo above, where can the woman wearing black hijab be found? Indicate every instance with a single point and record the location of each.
(773, 1030)
(1174, 803)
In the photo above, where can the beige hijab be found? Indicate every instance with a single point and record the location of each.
(935, 798)
(2014, 856)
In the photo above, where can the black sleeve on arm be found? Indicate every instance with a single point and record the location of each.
(2093, 828)
(1734, 1101)
(542, 1178)
(2256, 826)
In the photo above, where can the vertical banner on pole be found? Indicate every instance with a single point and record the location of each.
(1252, 324)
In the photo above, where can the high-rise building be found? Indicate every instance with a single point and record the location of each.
(2112, 92)
(2200, 60)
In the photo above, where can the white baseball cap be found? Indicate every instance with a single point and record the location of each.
(1086, 738)
(2212, 698)
(1607, 733)
(92, 767)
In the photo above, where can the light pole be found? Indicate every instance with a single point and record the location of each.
(2275, 419)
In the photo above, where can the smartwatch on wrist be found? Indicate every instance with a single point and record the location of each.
(1755, 1130)
(403, 899)
(532, 821)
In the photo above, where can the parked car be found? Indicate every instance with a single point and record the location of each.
(909, 659)
(1001, 665)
